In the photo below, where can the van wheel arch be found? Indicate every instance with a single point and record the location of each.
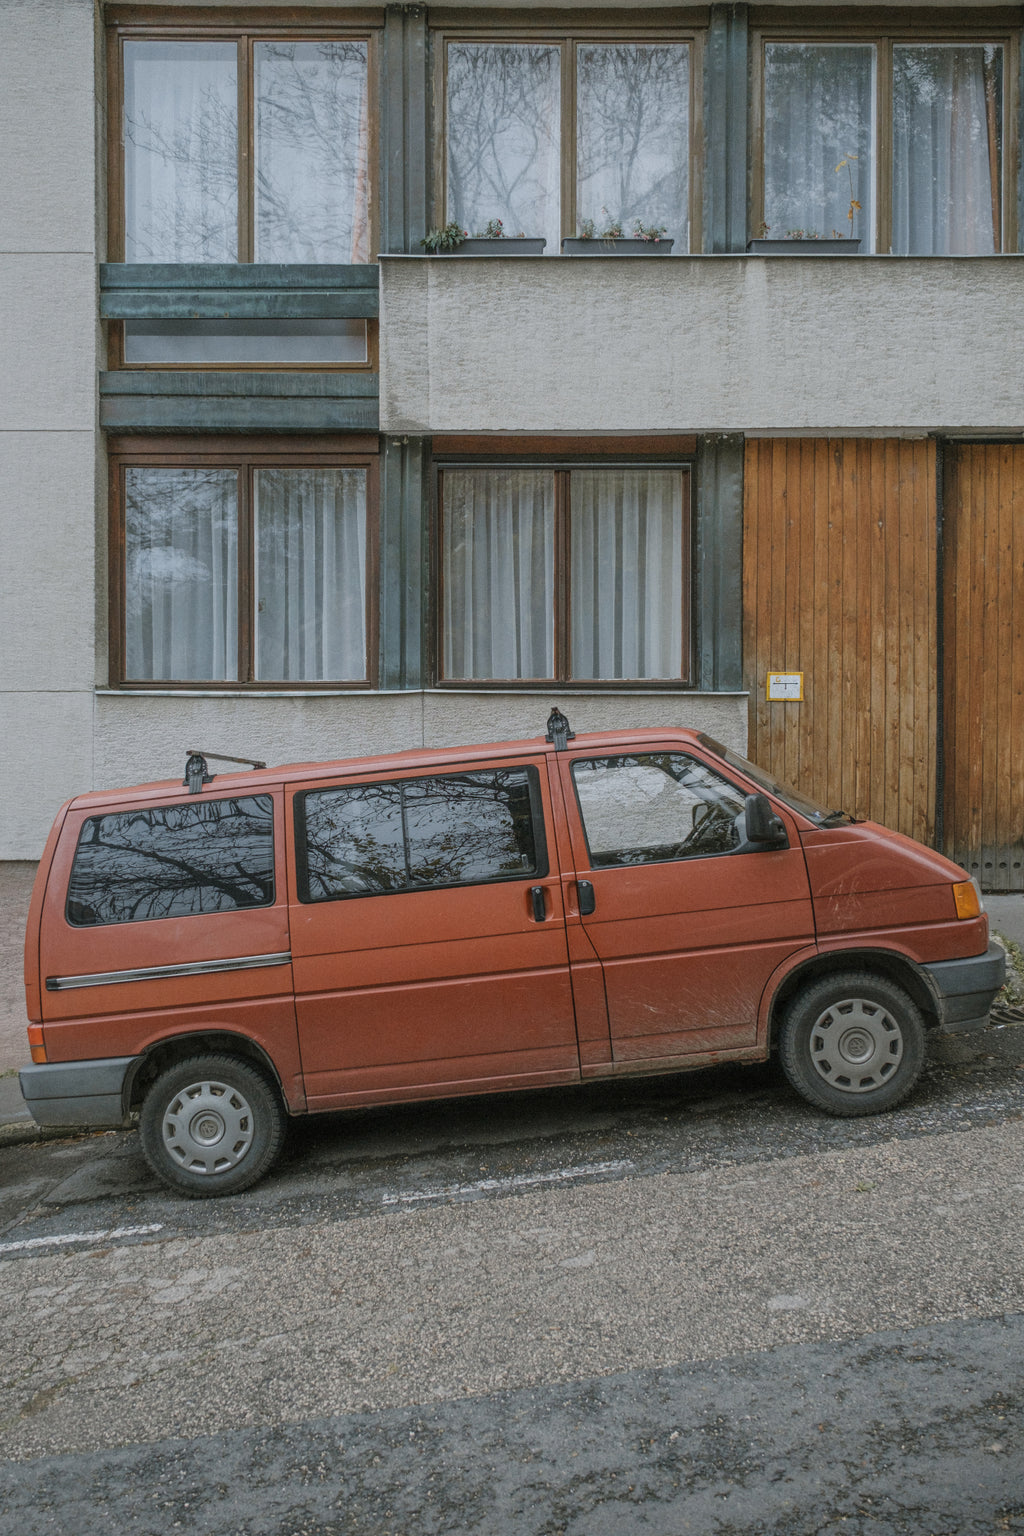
(882, 963)
(167, 1053)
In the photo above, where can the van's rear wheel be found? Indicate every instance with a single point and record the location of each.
(853, 1044)
(211, 1125)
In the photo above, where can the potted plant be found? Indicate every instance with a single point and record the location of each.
(808, 242)
(644, 240)
(492, 240)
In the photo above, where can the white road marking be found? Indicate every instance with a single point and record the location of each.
(58, 1240)
(515, 1181)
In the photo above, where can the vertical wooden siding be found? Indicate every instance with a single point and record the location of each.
(983, 621)
(839, 582)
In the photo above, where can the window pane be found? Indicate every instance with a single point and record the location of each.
(626, 573)
(498, 543)
(174, 861)
(370, 839)
(181, 574)
(633, 136)
(947, 150)
(178, 342)
(503, 137)
(643, 810)
(310, 535)
(180, 151)
(312, 195)
(819, 111)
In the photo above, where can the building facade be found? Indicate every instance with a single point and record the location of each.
(279, 481)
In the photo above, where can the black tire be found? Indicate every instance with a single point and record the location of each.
(853, 1043)
(211, 1125)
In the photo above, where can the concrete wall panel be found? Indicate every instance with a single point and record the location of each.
(45, 758)
(452, 718)
(47, 570)
(47, 115)
(841, 345)
(47, 320)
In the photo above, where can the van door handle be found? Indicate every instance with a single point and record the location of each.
(537, 897)
(587, 899)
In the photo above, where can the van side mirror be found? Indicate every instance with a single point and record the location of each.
(763, 827)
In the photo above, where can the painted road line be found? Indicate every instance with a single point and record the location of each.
(515, 1181)
(60, 1239)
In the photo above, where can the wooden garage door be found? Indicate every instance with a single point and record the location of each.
(983, 663)
(839, 582)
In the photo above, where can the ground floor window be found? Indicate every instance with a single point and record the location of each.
(559, 574)
(244, 566)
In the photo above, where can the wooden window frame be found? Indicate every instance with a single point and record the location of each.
(998, 27)
(245, 29)
(569, 35)
(245, 455)
(562, 467)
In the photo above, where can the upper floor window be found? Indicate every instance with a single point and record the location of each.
(244, 148)
(552, 134)
(898, 144)
(241, 565)
(577, 574)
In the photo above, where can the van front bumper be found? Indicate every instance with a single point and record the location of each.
(77, 1092)
(963, 990)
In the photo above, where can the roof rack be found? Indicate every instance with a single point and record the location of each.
(197, 771)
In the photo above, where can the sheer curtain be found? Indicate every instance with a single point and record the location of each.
(819, 110)
(310, 589)
(633, 135)
(181, 151)
(947, 149)
(626, 573)
(181, 570)
(311, 203)
(503, 133)
(498, 543)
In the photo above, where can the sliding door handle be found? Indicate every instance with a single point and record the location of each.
(587, 899)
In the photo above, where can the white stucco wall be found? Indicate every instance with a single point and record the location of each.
(841, 345)
(47, 412)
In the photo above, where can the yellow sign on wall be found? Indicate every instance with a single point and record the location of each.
(786, 686)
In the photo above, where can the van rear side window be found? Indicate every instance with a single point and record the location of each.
(414, 834)
(173, 861)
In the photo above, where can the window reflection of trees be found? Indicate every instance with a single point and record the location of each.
(370, 839)
(655, 807)
(174, 861)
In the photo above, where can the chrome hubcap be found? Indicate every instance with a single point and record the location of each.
(208, 1127)
(856, 1045)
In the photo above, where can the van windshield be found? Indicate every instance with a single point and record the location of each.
(784, 792)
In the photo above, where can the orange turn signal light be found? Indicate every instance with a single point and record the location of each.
(966, 898)
(36, 1046)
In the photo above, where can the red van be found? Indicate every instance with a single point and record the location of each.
(223, 953)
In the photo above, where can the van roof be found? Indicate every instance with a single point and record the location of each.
(251, 780)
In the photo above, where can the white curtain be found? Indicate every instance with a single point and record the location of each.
(498, 542)
(818, 111)
(311, 152)
(947, 149)
(626, 573)
(310, 590)
(181, 574)
(633, 136)
(181, 151)
(503, 133)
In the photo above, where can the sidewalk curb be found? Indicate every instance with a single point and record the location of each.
(18, 1133)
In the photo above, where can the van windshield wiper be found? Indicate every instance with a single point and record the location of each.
(836, 818)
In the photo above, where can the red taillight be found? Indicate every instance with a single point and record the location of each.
(35, 1040)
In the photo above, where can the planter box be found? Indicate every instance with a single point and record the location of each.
(511, 245)
(622, 245)
(842, 247)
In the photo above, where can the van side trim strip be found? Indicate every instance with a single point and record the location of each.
(162, 972)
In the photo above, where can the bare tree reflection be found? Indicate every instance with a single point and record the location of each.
(633, 145)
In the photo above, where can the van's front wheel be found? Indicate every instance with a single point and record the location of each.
(211, 1125)
(853, 1044)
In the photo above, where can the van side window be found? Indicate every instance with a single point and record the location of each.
(173, 861)
(655, 807)
(415, 834)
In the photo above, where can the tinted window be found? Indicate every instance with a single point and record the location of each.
(174, 861)
(370, 839)
(646, 809)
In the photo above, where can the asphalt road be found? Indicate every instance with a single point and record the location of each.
(678, 1305)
